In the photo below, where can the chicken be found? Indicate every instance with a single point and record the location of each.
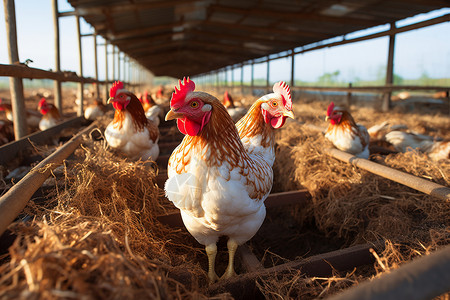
(152, 110)
(95, 110)
(130, 132)
(217, 184)
(33, 117)
(236, 113)
(345, 134)
(404, 141)
(50, 115)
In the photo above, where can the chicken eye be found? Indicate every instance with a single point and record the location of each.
(194, 104)
(274, 104)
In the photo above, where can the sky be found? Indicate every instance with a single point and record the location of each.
(422, 51)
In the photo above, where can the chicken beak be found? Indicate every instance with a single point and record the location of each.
(289, 114)
(173, 115)
(327, 118)
(109, 100)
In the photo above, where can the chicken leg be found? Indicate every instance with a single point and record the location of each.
(232, 246)
(211, 251)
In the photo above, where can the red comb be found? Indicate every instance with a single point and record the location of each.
(283, 89)
(330, 109)
(117, 85)
(42, 102)
(185, 87)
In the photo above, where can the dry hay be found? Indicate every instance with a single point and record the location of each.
(295, 285)
(357, 206)
(100, 238)
(353, 203)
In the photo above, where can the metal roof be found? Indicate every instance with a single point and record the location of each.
(190, 37)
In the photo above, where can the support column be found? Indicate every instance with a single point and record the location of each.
(80, 111)
(114, 63)
(16, 84)
(57, 84)
(252, 80)
(268, 74)
(292, 68)
(386, 105)
(106, 73)
(97, 87)
(242, 79)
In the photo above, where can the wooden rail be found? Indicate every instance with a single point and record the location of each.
(422, 185)
(23, 71)
(17, 197)
(11, 150)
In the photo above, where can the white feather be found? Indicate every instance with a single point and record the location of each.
(135, 144)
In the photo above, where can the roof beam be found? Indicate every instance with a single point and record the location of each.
(241, 38)
(295, 16)
(94, 9)
(298, 33)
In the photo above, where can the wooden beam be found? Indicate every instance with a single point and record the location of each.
(417, 183)
(321, 265)
(23, 71)
(232, 36)
(386, 105)
(80, 111)
(16, 85)
(259, 29)
(97, 86)
(57, 83)
(16, 198)
(95, 9)
(16, 149)
(294, 16)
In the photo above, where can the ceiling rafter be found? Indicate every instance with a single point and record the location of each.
(294, 16)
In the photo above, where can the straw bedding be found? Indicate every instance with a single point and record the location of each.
(97, 235)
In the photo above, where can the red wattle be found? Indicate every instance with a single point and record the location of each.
(278, 122)
(188, 127)
(275, 122)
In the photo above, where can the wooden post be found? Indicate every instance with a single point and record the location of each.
(268, 74)
(292, 68)
(114, 63)
(242, 79)
(97, 87)
(80, 62)
(349, 96)
(16, 84)
(252, 79)
(106, 73)
(118, 65)
(57, 84)
(389, 71)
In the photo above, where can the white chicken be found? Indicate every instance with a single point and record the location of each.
(236, 112)
(407, 141)
(130, 132)
(152, 110)
(345, 134)
(50, 115)
(218, 183)
(95, 110)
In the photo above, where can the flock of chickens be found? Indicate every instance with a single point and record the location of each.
(221, 172)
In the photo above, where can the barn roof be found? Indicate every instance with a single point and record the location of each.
(190, 37)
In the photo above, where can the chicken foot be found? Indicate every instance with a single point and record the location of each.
(232, 246)
(211, 251)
